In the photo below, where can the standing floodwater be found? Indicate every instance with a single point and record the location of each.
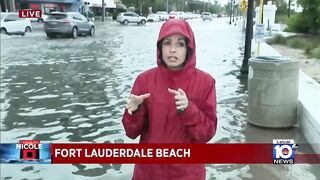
(66, 90)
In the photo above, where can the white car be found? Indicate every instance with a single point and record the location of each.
(206, 16)
(153, 18)
(131, 17)
(12, 24)
(176, 15)
(41, 19)
(163, 15)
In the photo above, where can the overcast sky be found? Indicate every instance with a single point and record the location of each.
(223, 2)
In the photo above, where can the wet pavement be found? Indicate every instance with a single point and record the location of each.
(66, 90)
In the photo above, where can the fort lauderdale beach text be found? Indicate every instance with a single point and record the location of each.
(118, 152)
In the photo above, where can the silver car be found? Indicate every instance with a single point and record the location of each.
(68, 23)
(206, 16)
(131, 17)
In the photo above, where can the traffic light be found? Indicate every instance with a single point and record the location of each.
(244, 5)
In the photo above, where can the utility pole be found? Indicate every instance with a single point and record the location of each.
(233, 5)
(289, 8)
(249, 31)
(230, 11)
(167, 7)
(103, 11)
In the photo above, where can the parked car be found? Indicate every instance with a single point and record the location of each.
(219, 15)
(206, 16)
(39, 20)
(182, 15)
(163, 15)
(174, 15)
(12, 24)
(68, 23)
(43, 18)
(131, 17)
(153, 18)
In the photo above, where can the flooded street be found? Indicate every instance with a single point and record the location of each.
(65, 90)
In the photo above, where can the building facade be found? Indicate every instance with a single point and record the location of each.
(7, 5)
(47, 6)
(95, 6)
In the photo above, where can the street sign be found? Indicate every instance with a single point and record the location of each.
(259, 33)
(86, 7)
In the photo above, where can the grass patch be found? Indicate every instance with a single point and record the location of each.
(298, 43)
(309, 43)
(316, 53)
(278, 40)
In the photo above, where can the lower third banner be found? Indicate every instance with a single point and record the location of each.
(36, 152)
(176, 153)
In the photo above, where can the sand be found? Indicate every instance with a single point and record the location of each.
(310, 66)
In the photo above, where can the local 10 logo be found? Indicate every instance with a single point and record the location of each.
(283, 151)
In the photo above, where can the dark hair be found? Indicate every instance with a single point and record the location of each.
(189, 50)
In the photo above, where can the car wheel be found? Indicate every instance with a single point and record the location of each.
(74, 32)
(51, 35)
(143, 22)
(28, 29)
(40, 20)
(92, 31)
(125, 22)
(4, 31)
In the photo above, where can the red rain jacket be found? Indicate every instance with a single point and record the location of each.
(157, 120)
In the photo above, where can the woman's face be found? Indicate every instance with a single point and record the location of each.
(174, 51)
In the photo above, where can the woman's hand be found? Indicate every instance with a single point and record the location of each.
(182, 101)
(134, 102)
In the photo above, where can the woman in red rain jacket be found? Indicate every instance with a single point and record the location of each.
(172, 103)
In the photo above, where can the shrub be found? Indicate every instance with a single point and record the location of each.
(308, 49)
(279, 40)
(316, 53)
(298, 23)
(298, 43)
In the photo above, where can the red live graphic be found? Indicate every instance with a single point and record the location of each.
(29, 13)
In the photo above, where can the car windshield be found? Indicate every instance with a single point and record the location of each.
(57, 16)
(2, 16)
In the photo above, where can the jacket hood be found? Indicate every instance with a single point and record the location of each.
(178, 27)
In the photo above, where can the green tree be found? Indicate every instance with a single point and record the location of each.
(310, 15)
(215, 8)
(282, 7)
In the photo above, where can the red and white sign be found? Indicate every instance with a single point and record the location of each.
(29, 13)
